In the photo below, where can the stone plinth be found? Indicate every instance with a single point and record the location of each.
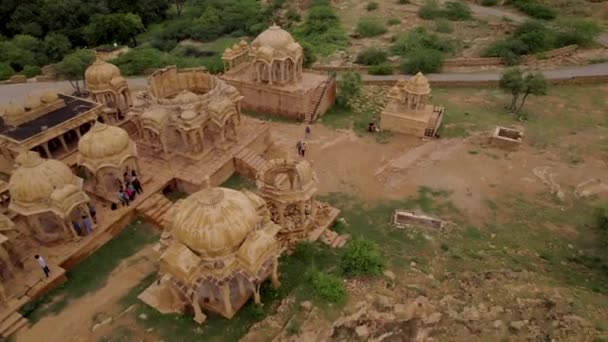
(506, 138)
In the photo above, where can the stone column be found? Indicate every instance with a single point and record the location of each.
(67, 225)
(199, 316)
(281, 212)
(274, 277)
(242, 290)
(225, 289)
(85, 207)
(63, 143)
(256, 294)
(45, 146)
(77, 129)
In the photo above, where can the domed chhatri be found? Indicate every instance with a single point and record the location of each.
(106, 152)
(221, 247)
(408, 111)
(47, 193)
(107, 86)
(274, 37)
(214, 222)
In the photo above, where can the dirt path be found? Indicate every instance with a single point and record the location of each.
(74, 323)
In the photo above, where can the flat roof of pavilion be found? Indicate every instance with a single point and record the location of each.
(73, 108)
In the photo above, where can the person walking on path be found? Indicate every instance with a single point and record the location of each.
(87, 224)
(303, 149)
(136, 183)
(77, 228)
(307, 132)
(43, 265)
(299, 147)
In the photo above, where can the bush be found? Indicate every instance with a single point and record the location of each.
(31, 70)
(576, 31)
(456, 11)
(6, 71)
(321, 29)
(309, 54)
(393, 21)
(422, 60)
(381, 69)
(371, 6)
(326, 287)
(489, 2)
(349, 87)
(429, 10)
(602, 219)
(403, 2)
(368, 27)
(421, 38)
(361, 257)
(443, 26)
(534, 9)
(372, 56)
(136, 61)
(293, 15)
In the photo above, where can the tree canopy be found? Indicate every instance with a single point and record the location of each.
(119, 28)
(73, 66)
(514, 82)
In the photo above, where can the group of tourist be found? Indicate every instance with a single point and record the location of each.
(128, 188)
(86, 221)
(301, 145)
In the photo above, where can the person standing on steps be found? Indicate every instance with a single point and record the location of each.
(43, 265)
(299, 147)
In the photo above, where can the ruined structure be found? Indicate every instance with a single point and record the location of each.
(10, 260)
(223, 246)
(408, 111)
(108, 87)
(189, 112)
(269, 74)
(48, 195)
(50, 124)
(506, 138)
(106, 152)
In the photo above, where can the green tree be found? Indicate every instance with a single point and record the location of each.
(31, 70)
(422, 60)
(512, 82)
(15, 56)
(179, 6)
(73, 66)
(114, 28)
(208, 26)
(362, 257)
(349, 87)
(534, 84)
(5, 71)
(56, 45)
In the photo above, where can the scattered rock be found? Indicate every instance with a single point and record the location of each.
(143, 316)
(306, 305)
(497, 324)
(518, 325)
(102, 323)
(433, 318)
(150, 330)
(389, 274)
(412, 264)
(493, 236)
(362, 331)
(383, 301)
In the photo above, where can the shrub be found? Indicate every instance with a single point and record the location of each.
(393, 21)
(576, 31)
(349, 88)
(361, 257)
(31, 70)
(6, 71)
(326, 287)
(456, 11)
(293, 15)
(368, 27)
(489, 2)
(403, 2)
(309, 55)
(443, 26)
(372, 56)
(421, 38)
(381, 69)
(136, 61)
(602, 219)
(429, 10)
(422, 60)
(371, 6)
(534, 9)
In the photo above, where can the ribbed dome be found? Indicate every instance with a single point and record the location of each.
(274, 37)
(49, 96)
(32, 102)
(13, 110)
(103, 141)
(418, 85)
(100, 74)
(35, 178)
(214, 222)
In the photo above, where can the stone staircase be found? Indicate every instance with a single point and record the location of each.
(154, 209)
(434, 122)
(11, 324)
(249, 162)
(317, 97)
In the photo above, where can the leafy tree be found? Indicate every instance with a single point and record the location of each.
(148, 10)
(534, 84)
(577, 31)
(15, 56)
(349, 88)
(361, 257)
(326, 287)
(73, 66)
(208, 26)
(372, 56)
(114, 28)
(512, 82)
(31, 70)
(6, 71)
(56, 45)
(422, 60)
(136, 61)
(179, 6)
(309, 54)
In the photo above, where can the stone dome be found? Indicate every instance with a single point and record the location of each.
(214, 222)
(49, 96)
(13, 110)
(36, 178)
(274, 37)
(103, 141)
(100, 74)
(32, 102)
(418, 85)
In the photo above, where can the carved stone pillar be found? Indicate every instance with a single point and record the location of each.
(225, 289)
(63, 143)
(274, 277)
(45, 146)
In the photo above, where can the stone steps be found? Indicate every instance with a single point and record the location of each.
(317, 96)
(154, 208)
(250, 158)
(11, 324)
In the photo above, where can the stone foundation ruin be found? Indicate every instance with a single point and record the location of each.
(506, 138)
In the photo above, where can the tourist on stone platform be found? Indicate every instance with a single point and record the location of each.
(92, 212)
(136, 182)
(133, 191)
(127, 192)
(77, 228)
(127, 178)
(43, 265)
(122, 196)
(303, 152)
(87, 224)
(307, 132)
(299, 147)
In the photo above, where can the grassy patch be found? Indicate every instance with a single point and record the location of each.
(92, 273)
(237, 182)
(268, 117)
